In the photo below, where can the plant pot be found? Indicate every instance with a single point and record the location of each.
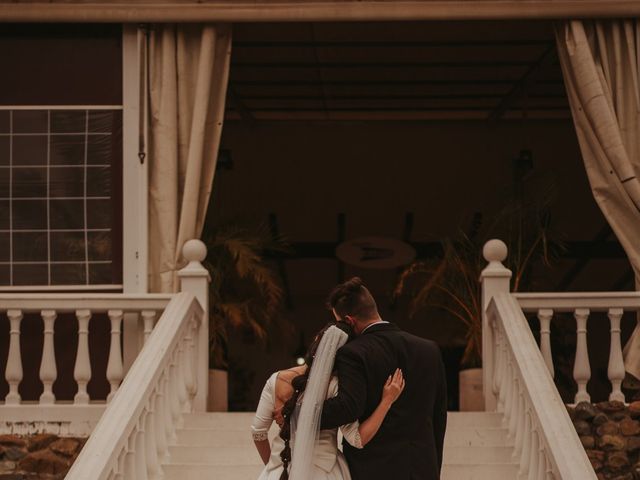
(218, 399)
(471, 395)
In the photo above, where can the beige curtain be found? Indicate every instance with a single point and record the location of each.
(600, 62)
(188, 73)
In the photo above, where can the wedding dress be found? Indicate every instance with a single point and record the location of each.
(315, 456)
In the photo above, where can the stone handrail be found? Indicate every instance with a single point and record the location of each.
(546, 443)
(131, 438)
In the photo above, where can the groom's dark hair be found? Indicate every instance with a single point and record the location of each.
(354, 299)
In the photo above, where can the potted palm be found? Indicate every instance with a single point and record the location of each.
(245, 295)
(450, 286)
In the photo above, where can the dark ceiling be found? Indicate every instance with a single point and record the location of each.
(399, 71)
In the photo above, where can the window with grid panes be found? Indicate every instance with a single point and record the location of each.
(61, 156)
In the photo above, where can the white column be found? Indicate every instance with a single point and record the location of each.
(581, 367)
(495, 279)
(13, 372)
(195, 278)
(545, 315)
(149, 320)
(153, 465)
(114, 366)
(48, 371)
(141, 454)
(82, 370)
(615, 370)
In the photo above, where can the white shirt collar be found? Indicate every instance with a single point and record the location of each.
(371, 325)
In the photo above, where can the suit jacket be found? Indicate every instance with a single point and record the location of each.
(409, 444)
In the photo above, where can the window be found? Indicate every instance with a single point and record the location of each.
(61, 156)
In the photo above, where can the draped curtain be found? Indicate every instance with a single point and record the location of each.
(188, 75)
(600, 62)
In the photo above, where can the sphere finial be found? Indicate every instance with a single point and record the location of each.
(194, 250)
(495, 251)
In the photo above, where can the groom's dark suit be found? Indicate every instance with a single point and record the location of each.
(409, 444)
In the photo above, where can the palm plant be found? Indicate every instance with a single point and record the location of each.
(451, 284)
(245, 292)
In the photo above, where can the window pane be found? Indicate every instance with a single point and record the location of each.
(4, 246)
(66, 182)
(101, 213)
(30, 247)
(29, 214)
(69, 274)
(99, 246)
(29, 182)
(4, 121)
(67, 149)
(5, 276)
(4, 182)
(29, 150)
(34, 274)
(67, 246)
(68, 121)
(30, 121)
(67, 214)
(100, 273)
(4, 149)
(99, 182)
(4, 214)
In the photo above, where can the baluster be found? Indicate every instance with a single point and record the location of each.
(189, 372)
(542, 461)
(161, 430)
(581, 368)
(616, 364)
(513, 419)
(180, 370)
(173, 392)
(13, 372)
(167, 401)
(141, 457)
(508, 394)
(535, 452)
(525, 456)
(149, 320)
(545, 315)
(495, 386)
(82, 370)
(114, 366)
(48, 372)
(153, 465)
(517, 450)
(130, 457)
(120, 466)
(501, 366)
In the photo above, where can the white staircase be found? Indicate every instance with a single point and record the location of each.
(218, 446)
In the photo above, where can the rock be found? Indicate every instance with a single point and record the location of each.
(12, 440)
(588, 441)
(41, 440)
(12, 476)
(14, 453)
(608, 428)
(7, 466)
(571, 411)
(634, 409)
(633, 444)
(585, 411)
(595, 454)
(599, 419)
(618, 416)
(624, 476)
(617, 461)
(582, 427)
(611, 442)
(630, 427)
(43, 461)
(65, 446)
(610, 407)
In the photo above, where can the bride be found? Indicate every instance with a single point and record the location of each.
(302, 451)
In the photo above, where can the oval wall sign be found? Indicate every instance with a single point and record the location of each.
(376, 252)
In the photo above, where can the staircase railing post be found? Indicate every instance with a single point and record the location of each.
(494, 279)
(194, 278)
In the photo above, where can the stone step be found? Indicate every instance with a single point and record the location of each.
(479, 472)
(242, 455)
(477, 437)
(474, 419)
(251, 472)
(476, 455)
(455, 437)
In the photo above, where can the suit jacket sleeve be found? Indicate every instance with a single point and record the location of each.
(440, 411)
(349, 404)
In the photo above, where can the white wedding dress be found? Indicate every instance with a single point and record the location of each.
(328, 462)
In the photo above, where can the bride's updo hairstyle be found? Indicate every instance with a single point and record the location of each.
(299, 384)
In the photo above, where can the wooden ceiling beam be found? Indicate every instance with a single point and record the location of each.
(235, 11)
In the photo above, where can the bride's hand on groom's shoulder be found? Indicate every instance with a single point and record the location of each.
(393, 387)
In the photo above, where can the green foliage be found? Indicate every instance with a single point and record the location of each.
(245, 292)
(451, 284)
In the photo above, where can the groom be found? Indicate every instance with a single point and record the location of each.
(409, 444)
